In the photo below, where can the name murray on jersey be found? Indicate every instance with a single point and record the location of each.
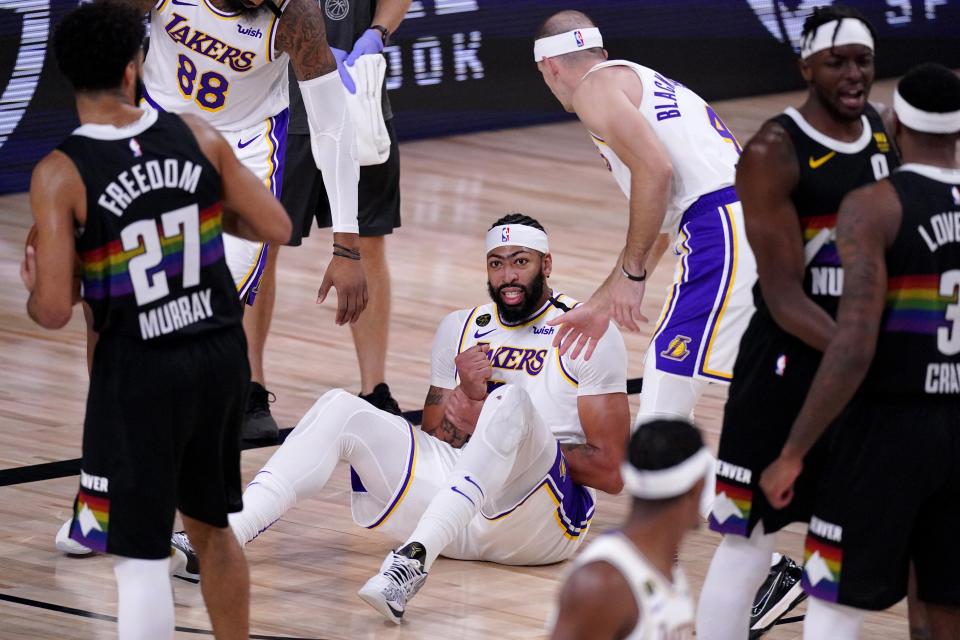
(119, 194)
(181, 32)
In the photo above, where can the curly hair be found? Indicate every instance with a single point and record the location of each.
(94, 43)
(518, 218)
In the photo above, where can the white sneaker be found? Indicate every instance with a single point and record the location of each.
(183, 559)
(65, 544)
(401, 576)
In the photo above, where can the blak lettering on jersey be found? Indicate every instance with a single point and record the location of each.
(181, 32)
(666, 92)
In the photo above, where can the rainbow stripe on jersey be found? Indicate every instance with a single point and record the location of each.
(812, 225)
(914, 305)
(105, 269)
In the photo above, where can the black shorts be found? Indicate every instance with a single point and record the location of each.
(771, 378)
(889, 495)
(305, 198)
(162, 432)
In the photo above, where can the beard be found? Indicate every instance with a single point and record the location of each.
(513, 314)
(239, 7)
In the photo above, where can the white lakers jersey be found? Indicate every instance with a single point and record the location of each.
(704, 153)
(664, 606)
(524, 355)
(221, 66)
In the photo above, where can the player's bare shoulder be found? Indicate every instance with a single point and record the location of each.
(770, 150)
(302, 35)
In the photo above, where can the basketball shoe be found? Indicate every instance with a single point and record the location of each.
(258, 423)
(401, 576)
(183, 559)
(381, 398)
(778, 594)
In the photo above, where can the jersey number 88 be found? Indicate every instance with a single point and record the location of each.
(210, 92)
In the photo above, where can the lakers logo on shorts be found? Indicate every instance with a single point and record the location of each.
(677, 349)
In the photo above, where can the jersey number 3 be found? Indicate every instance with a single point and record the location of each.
(149, 281)
(948, 338)
(209, 92)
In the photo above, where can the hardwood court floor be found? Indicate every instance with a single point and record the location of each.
(306, 570)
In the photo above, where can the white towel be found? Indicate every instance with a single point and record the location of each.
(366, 109)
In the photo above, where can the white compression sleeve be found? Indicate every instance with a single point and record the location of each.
(144, 599)
(334, 144)
(834, 621)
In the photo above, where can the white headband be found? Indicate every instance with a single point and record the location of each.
(851, 31)
(924, 121)
(576, 40)
(517, 235)
(666, 483)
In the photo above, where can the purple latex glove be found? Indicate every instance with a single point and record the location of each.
(340, 55)
(370, 42)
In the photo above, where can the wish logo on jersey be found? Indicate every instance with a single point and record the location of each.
(181, 32)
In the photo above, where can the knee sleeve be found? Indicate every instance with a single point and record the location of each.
(666, 395)
(834, 621)
(144, 599)
(506, 419)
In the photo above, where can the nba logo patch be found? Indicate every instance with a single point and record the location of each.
(579, 38)
(505, 234)
(781, 365)
(955, 192)
(135, 148)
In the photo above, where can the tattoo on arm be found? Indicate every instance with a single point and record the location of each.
(434, 396)
(451, 434)
(579, 450)
(302, 35)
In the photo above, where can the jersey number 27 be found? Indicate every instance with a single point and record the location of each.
(149, 282)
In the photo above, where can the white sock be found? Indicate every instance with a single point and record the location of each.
(737, 570)
(265, 499)
(481, 472)
(834, 621)
(144, 599)
(449, 513)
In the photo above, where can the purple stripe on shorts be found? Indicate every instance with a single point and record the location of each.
(684, 333)
(278, 136)
(253, 285)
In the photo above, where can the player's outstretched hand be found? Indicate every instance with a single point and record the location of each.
(28, 268)
(348, 278)
(625, 299)
(777, 481)
(461, 411)
(580, 329)
(474, 369)
(370, 42)
(341, 56)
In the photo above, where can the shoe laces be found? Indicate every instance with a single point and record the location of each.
(260, 401)
(180, 540)
(404, 571)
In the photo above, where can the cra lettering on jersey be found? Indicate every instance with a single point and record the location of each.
(180, 31)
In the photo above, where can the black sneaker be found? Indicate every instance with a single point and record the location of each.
(381, 399)
(258, 424)
(183, 559)
(778, 594)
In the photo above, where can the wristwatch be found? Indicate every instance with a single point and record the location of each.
(384, 32)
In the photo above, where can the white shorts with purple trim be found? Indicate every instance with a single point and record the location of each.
(261, 149)
(710, 301)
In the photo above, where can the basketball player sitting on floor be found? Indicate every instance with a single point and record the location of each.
(545, 432)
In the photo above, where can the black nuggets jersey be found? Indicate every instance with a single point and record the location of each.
(151, 248)
(918, 351)
(829, 170)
